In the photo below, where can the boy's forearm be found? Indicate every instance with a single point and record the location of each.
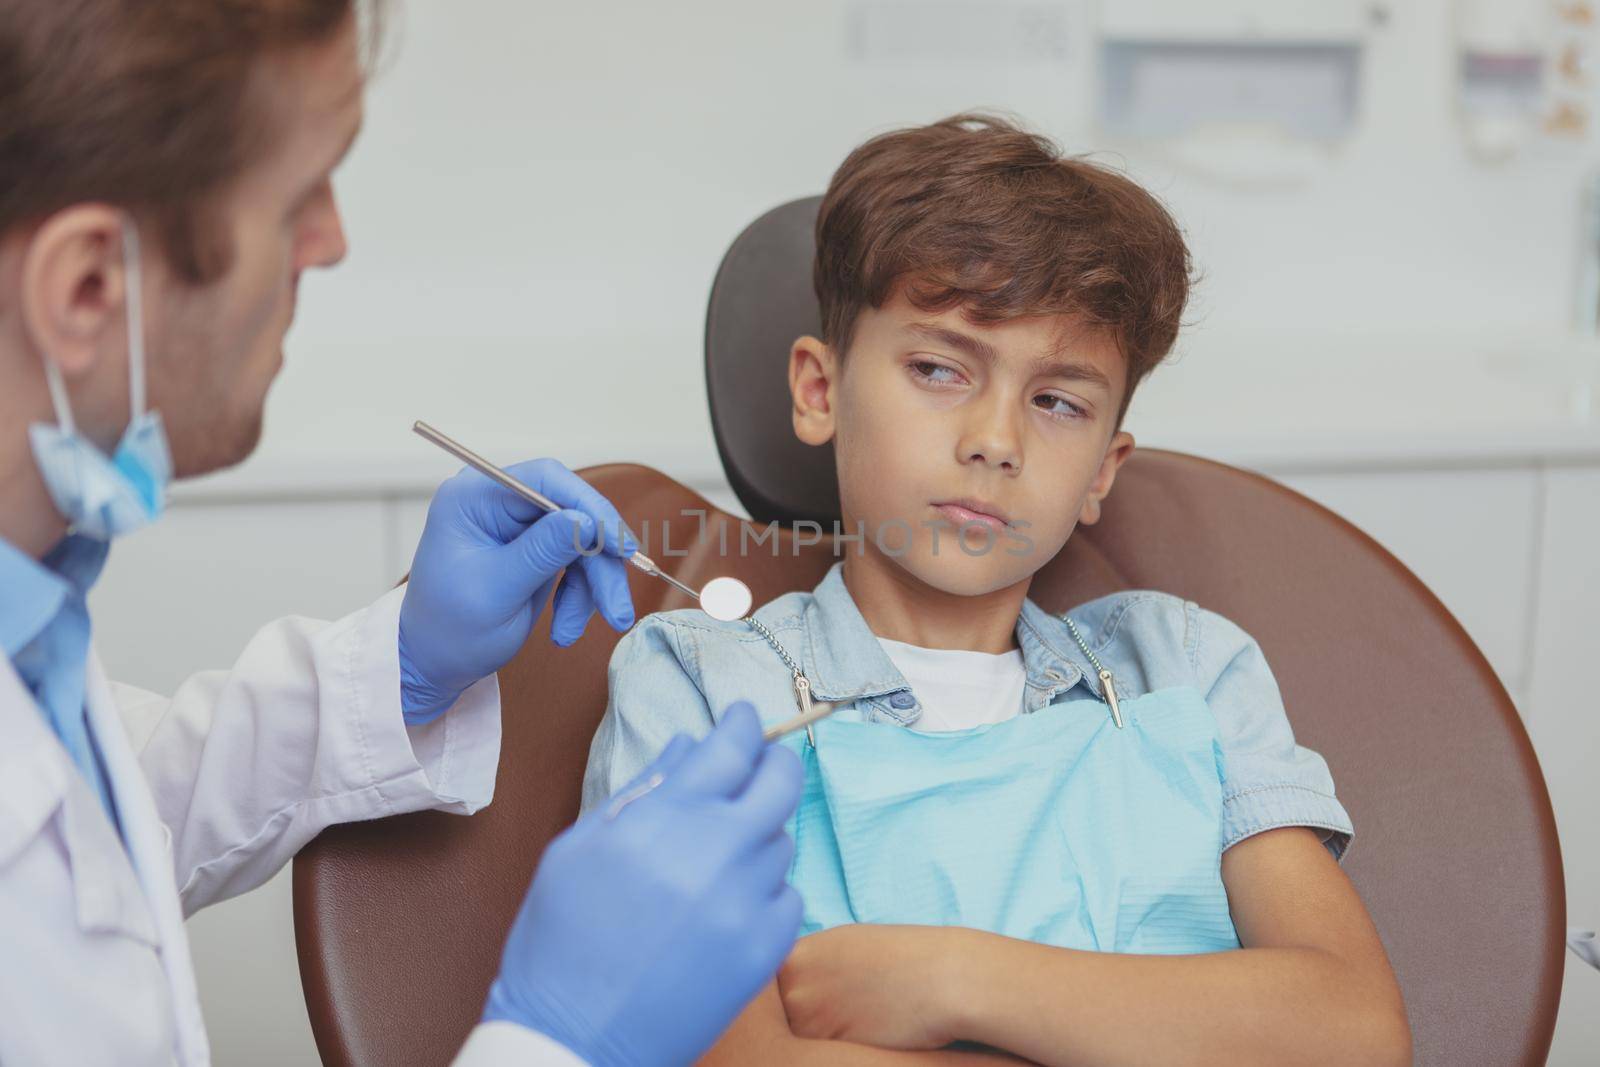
(761, 1035)
(1259, 1005)
(805, 1052)
(847, 1054)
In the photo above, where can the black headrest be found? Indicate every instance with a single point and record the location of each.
(761, 301)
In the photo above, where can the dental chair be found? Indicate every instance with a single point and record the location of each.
(400, 922)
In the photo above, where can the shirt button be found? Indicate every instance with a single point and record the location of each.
(902, 701)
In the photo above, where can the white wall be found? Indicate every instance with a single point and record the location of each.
(544, 191)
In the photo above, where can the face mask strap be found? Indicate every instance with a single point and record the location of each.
(134, 295)
(58, 395)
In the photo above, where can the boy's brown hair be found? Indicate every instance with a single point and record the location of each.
(976, 212)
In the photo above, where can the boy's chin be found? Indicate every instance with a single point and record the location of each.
(960, 574)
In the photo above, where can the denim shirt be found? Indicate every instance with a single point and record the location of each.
(676, 671)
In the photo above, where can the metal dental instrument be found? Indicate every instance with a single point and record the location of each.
(818, 711)
(722, 594)
(815, 712)
(622, 800)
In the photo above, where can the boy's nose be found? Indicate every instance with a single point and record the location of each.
(994, 441)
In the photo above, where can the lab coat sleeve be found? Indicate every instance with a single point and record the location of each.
(500, 1044)
(305, 731)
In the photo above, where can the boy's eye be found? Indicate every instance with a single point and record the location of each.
(1059, 405)
(304, 201)
(930, 371)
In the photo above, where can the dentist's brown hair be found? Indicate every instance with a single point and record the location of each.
(147, 105)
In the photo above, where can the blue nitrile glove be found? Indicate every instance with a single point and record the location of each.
(482, 574)
(645, 934)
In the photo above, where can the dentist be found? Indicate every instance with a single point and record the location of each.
(164, 183)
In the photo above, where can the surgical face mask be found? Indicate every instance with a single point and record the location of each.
(103, 496)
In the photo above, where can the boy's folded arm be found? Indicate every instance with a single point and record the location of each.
(1311, 984)
(762, 1035)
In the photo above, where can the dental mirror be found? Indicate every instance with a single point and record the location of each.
(725, 599)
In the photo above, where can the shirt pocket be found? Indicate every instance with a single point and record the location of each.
(48, 814)
(32, 788)
(46, 807)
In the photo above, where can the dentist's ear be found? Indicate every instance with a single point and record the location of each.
(72, 288)
(1117, 453)
(813, 385)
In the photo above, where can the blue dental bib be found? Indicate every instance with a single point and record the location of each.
(1055, 827)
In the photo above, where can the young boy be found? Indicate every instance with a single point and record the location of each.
(1084, 839)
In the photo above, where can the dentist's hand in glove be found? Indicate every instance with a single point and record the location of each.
(483, 571)
(650, 925)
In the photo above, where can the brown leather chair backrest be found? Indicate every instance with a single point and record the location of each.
(400, 921)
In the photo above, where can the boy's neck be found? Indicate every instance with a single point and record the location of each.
(899, 607)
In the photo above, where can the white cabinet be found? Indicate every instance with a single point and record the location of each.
(1563, 714)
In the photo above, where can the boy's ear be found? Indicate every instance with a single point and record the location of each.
(813, 385)
(1117, 454)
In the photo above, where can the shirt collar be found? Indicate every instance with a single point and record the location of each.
(847, 663)
(32, 591)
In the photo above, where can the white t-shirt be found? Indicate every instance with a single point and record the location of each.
(959, 689)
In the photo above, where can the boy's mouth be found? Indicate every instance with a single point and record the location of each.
(971, 509)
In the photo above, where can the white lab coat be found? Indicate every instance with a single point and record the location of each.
(216, 789)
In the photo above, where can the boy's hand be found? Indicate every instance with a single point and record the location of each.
(891, 986)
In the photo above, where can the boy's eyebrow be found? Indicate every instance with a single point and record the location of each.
(333, 164)
(349, 142)
(1050, 366)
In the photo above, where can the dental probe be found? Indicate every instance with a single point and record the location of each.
(819, 710)
(724, 598)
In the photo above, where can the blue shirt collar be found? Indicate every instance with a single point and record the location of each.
(847, 663)
(32, 591)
